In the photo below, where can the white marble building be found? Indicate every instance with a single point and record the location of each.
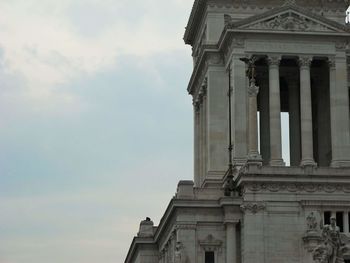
(276, 56)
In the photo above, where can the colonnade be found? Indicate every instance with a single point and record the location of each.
(339, 107)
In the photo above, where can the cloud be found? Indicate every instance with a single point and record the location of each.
(48, 44)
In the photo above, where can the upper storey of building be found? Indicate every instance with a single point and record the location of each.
(207, 19)
(210, 13)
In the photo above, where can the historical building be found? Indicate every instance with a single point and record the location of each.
(245, 204)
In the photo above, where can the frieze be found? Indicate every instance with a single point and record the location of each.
(296, 187)
(210, 243)
(289, 47)
(185, 226)
(253, 207)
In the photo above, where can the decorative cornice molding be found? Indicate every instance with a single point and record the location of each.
(296, 187)
(289, 17)
(253, 207)
(210, 243)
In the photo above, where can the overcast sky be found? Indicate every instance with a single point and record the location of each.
(96, 124)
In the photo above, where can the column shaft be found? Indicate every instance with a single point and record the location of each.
(346, 222)
(239, 110)
(253, 155)
(294, 119)
(196, 144)
(231, 251)
(264, 120)
(275, 113)
(307, 158)
(339, 101)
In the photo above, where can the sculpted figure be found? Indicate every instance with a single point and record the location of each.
(311, 222)
(330, 250)
(179, 255)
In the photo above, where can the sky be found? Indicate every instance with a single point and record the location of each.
(95, 124)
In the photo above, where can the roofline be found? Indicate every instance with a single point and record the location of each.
(134, 245)
(198, 6)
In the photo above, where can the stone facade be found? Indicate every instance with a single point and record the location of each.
(274, 56)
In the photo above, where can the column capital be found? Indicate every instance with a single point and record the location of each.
(305, 61)
(331, 62)
(273, 60)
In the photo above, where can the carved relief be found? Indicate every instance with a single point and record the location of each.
(289, 21)
(253, 207)
(210, 243)
(311, 223)
(305, 61)
(294, 187)
(253, 90)
(274, 60)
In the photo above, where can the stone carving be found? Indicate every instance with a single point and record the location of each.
(179, 255)
(210, 243)
(290, 21)
(253, 90)
(294, 187)
(274, 60)
(305, 61)
(330, 251)
(331, 62)
(253, 207)
(311, 222)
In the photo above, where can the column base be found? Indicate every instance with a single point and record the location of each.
(340, 163)
(239, 161)
(277, 162)
(308, 162)
(254, 158)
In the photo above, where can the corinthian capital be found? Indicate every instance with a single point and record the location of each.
(273, 60)
(305, 61)
(331, 62)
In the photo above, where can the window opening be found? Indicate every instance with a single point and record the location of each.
(209, 257)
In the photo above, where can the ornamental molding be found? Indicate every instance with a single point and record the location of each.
(289, 17)
(253, 207)
(210, 243)
(210, 56)
(324, 203)
(274, 60)
(253, 90)
(297, 187)
(305, 61)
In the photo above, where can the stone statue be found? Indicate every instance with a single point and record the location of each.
(179, 255)
(311, 222)
(330, 251)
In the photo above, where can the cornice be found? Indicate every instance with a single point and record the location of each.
(209, 55)
(294, 179)
(292, 7)
(319, 6)
(134, 246)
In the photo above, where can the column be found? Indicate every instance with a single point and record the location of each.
(239, 109)
(196, 142)
(264, 117)
(294, 117)
(307, 158)
(275, 112)
(339, 104)
(231, 243)
(346, 221)
(253, 154)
